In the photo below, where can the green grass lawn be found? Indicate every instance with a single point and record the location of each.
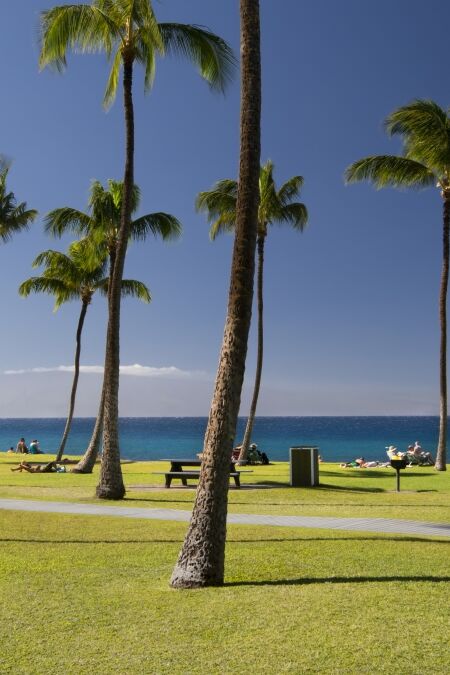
(86, 594)
(365, 493)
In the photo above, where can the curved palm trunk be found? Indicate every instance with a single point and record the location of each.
(442, 444)
(259, 359)
(111, 484)
(87, 463)
(202, 557)
(73, 394)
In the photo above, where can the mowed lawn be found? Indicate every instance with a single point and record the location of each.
(85, 594)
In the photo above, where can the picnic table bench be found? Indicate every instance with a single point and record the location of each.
(177, 471)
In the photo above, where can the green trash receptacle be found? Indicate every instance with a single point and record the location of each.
(304, 466)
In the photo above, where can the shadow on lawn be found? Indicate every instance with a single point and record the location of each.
(414, 540)
(336, 580)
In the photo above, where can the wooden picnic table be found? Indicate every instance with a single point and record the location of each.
(177, 471)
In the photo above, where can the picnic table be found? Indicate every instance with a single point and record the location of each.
(177, 470)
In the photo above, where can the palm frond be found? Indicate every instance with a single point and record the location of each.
(62, 291)
(82, 28)
(130, 288)
(224, 224)
(290, 189)
(135, 289)
(113, 80)
(212, 55)
(425, 128)
(13, 217)
(159, 224)
(296, 214)
(383, 170)
(222, 197)
(60, 221)
(55, 260)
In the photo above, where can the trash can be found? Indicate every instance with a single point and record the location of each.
(304, 466)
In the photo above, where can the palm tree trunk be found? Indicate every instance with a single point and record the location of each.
(76, 375)
(111, 484)
(442, 444)
(259, 359)
(87, 463)
(202, 558)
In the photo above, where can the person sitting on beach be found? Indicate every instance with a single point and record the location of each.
(21, 447)
(34, 448)
(419, 455)
(392, 452)
(235, 454)
(11, 450)
(38, 468)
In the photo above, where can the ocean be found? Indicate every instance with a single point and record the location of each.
(339, 438)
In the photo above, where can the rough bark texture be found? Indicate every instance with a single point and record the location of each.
(111, 484)
(202, 558)
(442, 444)
(259, 359)
(87, 463)
(76, 375)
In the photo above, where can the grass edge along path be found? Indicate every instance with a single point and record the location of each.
(381, 525)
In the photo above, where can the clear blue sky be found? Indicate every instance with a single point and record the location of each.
(351, 305)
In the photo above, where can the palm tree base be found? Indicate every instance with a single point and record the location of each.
(77, 470)
(183, 578)
(440, 467)
(110, 492)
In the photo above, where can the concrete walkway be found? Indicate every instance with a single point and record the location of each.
(380, 525)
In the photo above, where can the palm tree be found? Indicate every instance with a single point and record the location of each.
(202, 557)
(425, 131)
(275, 206)
(101, 226)
(68, 277)
(128, 32)
(14, 217)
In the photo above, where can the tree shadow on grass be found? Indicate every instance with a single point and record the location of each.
(338, 580)
(280, 540)
(90, 541)
(325, 487)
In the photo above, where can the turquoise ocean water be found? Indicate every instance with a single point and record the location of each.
(339, 438)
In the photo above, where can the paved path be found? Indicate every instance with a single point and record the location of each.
(383, 525)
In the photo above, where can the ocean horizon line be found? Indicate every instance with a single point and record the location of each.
(241, 417)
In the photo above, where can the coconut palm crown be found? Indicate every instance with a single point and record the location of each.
(128, 31)
(424, 128)
(275, 206)
(14, 217)
(75, 276)
(102, 222)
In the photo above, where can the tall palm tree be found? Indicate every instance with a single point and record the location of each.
(101, 227)
(424, 128)
(202, 557)
(128, 32)
(14, 217)
(275, 206)
(68, 277)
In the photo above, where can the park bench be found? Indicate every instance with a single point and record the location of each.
(176, 471)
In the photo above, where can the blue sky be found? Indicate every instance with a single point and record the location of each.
(351, 305)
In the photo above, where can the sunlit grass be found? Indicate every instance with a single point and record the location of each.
(91, 595)
(362, 493)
